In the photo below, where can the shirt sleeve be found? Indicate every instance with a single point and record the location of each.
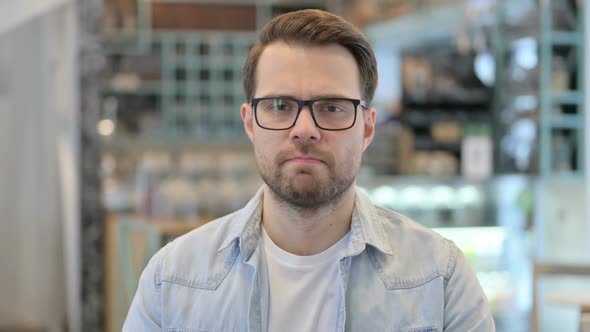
(145, 311)
(466, 305)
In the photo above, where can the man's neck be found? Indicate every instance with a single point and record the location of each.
(305, 233)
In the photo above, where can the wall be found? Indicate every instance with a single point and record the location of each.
(35, 109)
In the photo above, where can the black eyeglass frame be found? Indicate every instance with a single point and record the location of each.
(309, 103)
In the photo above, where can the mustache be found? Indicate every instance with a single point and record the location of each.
(305, 149)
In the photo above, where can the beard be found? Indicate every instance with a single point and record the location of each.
(308, 189)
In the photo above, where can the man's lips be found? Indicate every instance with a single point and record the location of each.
(304, 157)
(305, 160)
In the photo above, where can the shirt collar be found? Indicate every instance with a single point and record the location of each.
(245, 226)
(366, 227)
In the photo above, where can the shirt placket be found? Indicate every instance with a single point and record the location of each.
(259, 297)
(343, 274)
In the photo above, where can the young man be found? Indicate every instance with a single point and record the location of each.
(309, 252)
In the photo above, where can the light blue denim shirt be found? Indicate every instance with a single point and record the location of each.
(395, 274)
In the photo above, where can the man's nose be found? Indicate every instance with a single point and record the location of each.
(305, 128)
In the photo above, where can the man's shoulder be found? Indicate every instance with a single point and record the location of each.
(210, 235)
(198, 257)
(397, 225)
(419, 254)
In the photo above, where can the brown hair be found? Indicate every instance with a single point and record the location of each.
(315, 27)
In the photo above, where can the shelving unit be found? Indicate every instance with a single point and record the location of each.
(179, 84)
(558, 43)
(516, 95)
(198, 92)
(548, 94)
(201, 83)
(440, 89)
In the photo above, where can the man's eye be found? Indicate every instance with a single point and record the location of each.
(283, 105)
(333, 108)
(279, 106)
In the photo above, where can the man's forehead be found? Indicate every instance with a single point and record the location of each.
(328, 70)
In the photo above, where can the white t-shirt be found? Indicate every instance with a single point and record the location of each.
(304, 290)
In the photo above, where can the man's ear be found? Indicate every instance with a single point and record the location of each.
(370, 116)
(248, 120)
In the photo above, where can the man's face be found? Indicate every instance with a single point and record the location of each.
(306, 166)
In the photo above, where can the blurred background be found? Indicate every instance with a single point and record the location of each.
(120, 130)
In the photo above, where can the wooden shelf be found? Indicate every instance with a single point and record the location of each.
(557, 269)
(116, 299)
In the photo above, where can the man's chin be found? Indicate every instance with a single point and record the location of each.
(304, 184)
(302, 191)
(306, 199)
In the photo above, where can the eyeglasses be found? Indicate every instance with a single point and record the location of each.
(281, 113)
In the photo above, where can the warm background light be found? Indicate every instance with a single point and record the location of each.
(106, 127)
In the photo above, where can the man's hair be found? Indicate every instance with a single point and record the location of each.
(315, 28)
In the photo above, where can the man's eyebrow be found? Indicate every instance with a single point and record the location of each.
(335, 95)
(277, 95)
(322, 96)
